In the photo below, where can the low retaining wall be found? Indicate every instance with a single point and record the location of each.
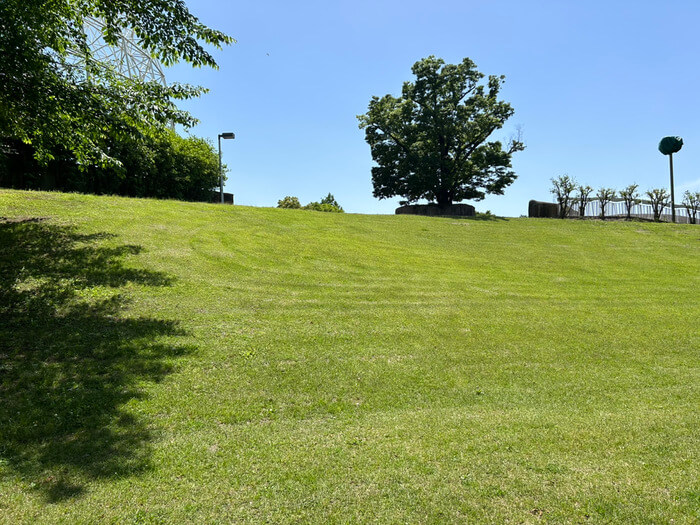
(216, 197)
(543, 209)
(433, 210)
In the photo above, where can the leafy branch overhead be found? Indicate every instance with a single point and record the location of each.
(49, 98)
(431, 142)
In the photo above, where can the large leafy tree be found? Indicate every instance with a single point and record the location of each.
(48, 97)
(432, 141)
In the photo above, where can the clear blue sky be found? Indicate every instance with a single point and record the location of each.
(595, 86)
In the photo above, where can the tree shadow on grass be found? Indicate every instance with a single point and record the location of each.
(70, 359)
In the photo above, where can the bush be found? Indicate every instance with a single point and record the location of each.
(289, 202)
(160, 164)
(327, 204)
(183, 168)
(330, 200)
(321, 206)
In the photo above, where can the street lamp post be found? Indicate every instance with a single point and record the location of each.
(669, 146)
(673, 195)
(221, 171)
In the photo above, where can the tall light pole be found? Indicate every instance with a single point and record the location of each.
(221, 170)
(669, 146)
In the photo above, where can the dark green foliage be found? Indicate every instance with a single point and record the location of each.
(52, 100)
(430, 143)
(670, 145)
(161, 164)
(289, 202)
(174, 167)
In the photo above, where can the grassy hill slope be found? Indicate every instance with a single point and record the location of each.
(163, 362)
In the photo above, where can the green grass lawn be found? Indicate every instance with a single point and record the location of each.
(168, 362)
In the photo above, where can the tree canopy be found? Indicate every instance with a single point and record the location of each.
(50, 98)
(431, 142)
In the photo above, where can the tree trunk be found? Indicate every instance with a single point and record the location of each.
(444, 198)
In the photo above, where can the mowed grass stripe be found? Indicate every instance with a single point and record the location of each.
(348, 368)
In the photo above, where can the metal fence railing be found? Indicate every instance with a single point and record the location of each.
(618, 209)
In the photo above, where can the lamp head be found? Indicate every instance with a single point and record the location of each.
(670, 145)
(228, 135)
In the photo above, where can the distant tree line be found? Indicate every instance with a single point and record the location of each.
(328, 204)
(159, 164)
(570, 194)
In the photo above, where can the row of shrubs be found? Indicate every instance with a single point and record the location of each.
(159, 164)
(569, 194)
(328, 204)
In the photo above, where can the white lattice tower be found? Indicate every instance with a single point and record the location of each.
(127, 57)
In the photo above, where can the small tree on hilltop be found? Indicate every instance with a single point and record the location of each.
(630, 196)
(330, 200)
(562, 188)
(431, 142)
(659, 198)
(584, 197)
(604, 196)
(692, 202)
